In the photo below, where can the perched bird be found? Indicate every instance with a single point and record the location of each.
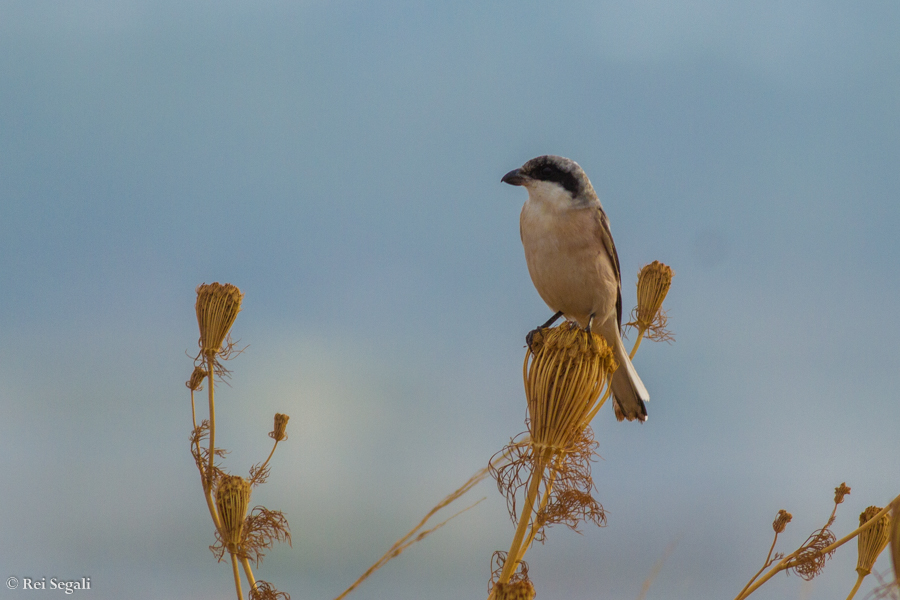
(573, 263)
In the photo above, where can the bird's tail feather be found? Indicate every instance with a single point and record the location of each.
(629, 393)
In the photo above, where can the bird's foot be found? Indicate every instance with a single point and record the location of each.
(534, 335)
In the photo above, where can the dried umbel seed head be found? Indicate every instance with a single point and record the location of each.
(781, 521)
(232, 499)
(841, 491)
(519, 590)
(653, 284)
(565, 371)
(217, 307)
(196, 379)
(278, 434)
(873, 540)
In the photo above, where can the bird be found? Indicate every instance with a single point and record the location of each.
(573, 263)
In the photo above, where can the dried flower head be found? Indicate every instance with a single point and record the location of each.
(196, 379)
(232, 499)
(565, 371)
(654, 281)
(841, 491)
(781, 521)
(873, 540)
(518, 590)
(217, 307)
(278, 433)
(648, 317)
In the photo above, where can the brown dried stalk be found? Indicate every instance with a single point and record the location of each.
(417, 534)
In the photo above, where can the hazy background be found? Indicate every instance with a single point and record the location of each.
(340, 162)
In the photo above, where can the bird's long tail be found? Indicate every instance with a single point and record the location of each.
(629, 393)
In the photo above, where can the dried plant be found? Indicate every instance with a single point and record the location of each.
(809, 559)
(566, 371)
(654, 281)
(895, 538)
(514, 590)
(417, 533)
(871, 543)
(243, 536)
(232, 499)
(263, 590)
(519, 572)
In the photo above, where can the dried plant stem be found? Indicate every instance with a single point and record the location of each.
(210, 362)
(246, 563)
(407, 540)
(544, 499)
(859, 579)
(194, 417)
(637, 342)
(237, 577)
(262, 469)
(786, 563)
(207, 491)
(763, 568)
(512, 556)
(206, 478)
(599, 405)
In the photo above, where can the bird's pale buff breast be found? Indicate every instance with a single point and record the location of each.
(561, 250)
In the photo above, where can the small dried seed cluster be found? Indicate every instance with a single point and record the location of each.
(781, 521)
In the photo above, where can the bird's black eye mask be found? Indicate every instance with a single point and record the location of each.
(550, 172)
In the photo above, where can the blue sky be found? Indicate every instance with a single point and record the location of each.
(340, 162)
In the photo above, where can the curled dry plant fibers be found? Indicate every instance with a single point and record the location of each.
(243, 536)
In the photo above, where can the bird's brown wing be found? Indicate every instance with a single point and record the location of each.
(606, 238)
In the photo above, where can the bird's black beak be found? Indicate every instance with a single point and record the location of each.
(514, 177)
